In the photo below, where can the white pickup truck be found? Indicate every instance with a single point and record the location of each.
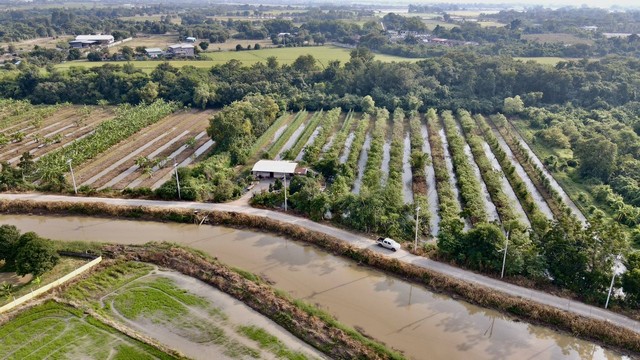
(388, 243)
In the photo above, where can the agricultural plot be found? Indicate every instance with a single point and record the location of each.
(142, 160)
(288, 136)
(42, 135)
(556, 198)
(530, 198)
(430, 179)
(185, 314)
(58, 331)
(473, 190)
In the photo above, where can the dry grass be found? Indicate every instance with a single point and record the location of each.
(159, 41)
(47, 42)
(580, 326)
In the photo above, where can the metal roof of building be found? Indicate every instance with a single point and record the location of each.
(150, 50)
(181, 46)
(94, 38)
(275, 166)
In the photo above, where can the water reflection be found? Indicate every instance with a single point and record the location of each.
(403, 315)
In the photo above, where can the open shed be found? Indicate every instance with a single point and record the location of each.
(274, 168)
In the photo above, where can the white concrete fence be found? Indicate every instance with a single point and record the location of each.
(35, 293)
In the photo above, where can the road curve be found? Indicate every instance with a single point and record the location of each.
(361, 242)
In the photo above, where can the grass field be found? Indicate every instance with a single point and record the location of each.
(557, 38)
(47, 42)
(543, 60)
(431, 24)
(323, 54)
(160, 303)
(58, 331)
(490, 24)
(160, 41)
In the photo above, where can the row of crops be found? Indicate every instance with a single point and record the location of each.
(479, 172)
(477, 165)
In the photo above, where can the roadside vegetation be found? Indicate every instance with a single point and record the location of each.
(518, 307)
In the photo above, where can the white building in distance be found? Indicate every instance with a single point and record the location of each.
(82, 41)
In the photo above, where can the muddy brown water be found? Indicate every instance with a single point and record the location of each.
(407, 317)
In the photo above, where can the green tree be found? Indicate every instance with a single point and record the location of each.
(481, 247)
(597, 156)
(368, 105)
(35, 255)
(9, 236)
(148, 93)
(305, 63)
(204, 45)
(513, 105)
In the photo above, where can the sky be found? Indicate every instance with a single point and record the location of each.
(545, 3)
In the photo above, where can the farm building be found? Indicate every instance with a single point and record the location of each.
(83, 41)
(276, 169)
(186, 50)
(191, 39)
(153, 52)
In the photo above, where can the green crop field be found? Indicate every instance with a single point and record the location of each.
(58, 331)
(129, 293)
(323, 54)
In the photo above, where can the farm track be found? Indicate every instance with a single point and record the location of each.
(407, 176)
(362, 163)
(347, 147)
(432, 193)
(60, 123)
(313, 136)
(98, 172)
(386, 157)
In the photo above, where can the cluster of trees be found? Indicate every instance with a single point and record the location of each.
(606, 152)
(538, 20)
(26, 253)
(456, 80)
(237, 126)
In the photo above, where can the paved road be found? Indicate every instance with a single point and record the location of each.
(362, 242)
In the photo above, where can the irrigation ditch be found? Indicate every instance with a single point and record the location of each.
(599, 331)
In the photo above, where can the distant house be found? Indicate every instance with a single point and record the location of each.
(153, 52)
(182, 50)
(84, 41)
(276, 169)
(191, 39)
(589, 28)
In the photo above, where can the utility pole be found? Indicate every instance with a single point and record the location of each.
(504, 258)
(415, 241)
(73, 177)
(175, 166)
(613, 279)
(285, 192)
